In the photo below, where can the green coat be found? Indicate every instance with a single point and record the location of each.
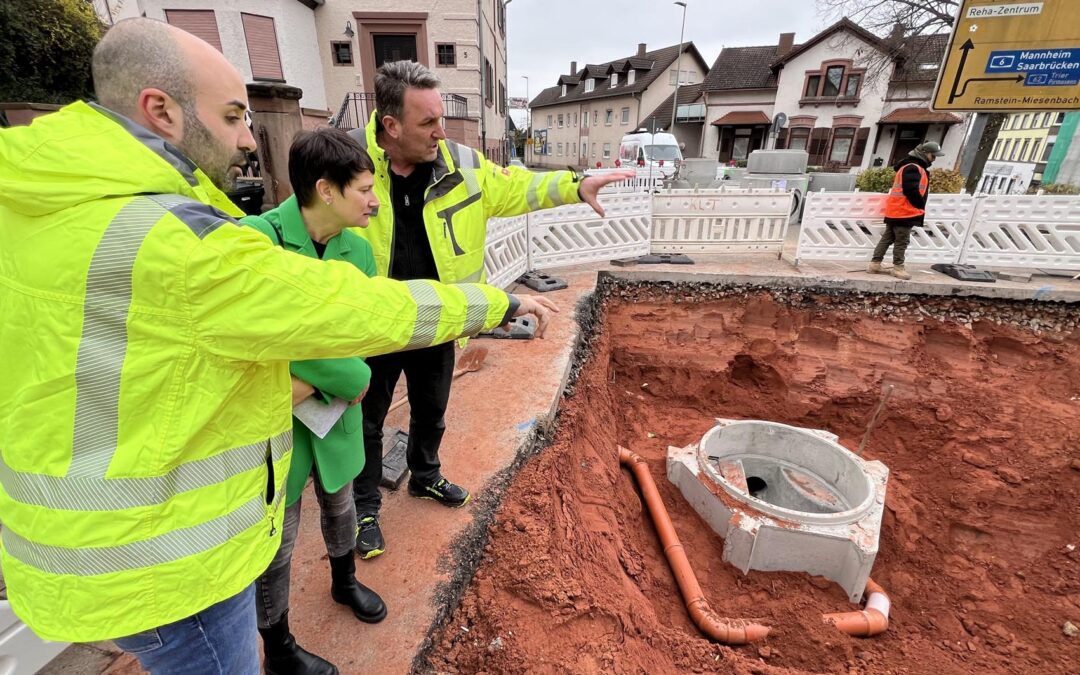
(339, 456)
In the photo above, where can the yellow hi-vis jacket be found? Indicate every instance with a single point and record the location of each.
(466, 189)
(145, 341)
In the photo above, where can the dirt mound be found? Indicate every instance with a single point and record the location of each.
(981, 436)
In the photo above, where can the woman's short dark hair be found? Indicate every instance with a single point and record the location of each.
(325, 153)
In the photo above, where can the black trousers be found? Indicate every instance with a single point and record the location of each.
(428, 375)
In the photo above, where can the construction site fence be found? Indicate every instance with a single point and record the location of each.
(1017, 231)
(637, 223)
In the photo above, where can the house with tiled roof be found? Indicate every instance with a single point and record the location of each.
(581, 119)
(851, 98)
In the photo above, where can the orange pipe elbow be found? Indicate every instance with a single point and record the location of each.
(874, 620)
(720, 629)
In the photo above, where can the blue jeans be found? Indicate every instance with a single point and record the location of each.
(220, 640)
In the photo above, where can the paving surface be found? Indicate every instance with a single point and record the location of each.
(490, 416)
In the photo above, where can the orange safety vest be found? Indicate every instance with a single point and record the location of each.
(897, 206)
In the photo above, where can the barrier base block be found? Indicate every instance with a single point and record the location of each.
(542, 283)
(964, 272)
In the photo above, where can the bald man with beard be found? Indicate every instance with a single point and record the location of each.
(145, 341)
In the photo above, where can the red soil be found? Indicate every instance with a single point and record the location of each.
(981, 436)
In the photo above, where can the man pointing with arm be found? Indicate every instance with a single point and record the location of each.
(436, 196)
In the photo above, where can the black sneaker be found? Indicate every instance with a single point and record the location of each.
(369, 539)
(442, 491)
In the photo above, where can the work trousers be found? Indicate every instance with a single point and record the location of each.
(897, 236)
(338, 520)
(220, 640)
(428, 375)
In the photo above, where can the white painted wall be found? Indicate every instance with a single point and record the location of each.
(296, 36)
(793, 79)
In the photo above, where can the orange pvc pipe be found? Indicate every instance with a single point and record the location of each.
(720, 629)
(874, 620)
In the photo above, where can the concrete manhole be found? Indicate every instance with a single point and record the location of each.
(785, 498)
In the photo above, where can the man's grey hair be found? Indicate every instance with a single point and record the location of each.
(391, 81)
(137, 54)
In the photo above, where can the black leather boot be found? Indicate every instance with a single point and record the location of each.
(285, 657)
(346, 590)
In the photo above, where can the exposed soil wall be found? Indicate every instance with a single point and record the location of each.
(982, 437)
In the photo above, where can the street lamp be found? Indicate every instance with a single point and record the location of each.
(528, 118)
(678, 66)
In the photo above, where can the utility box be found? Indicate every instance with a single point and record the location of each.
(777, 161)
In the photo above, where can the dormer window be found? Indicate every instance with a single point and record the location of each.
(614, 80)
(630, 77)
(563, 91)
(590, 84)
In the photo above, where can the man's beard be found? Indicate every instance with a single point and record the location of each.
(200, 146)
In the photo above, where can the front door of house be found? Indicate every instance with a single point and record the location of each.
(908, 137)
(394, 47)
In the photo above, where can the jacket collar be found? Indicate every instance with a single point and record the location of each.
(444, 161)
(200, 184)
(295, 237)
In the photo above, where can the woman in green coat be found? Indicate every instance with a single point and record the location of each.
(332, 180)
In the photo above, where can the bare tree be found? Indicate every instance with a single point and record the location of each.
(897, 22)
(879, 16)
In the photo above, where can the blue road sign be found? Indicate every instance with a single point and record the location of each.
(1041, 67)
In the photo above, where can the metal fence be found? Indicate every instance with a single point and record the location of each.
(356, 109)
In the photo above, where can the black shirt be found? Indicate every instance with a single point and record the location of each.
(412, 256)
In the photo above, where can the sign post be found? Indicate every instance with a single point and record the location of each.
(1008, 56)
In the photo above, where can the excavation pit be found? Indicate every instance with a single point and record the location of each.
(978, 544)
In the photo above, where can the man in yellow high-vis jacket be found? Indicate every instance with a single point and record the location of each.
(145, 341)
(437, 197)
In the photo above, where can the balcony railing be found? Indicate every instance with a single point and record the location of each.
(356, 109)
(824, 100)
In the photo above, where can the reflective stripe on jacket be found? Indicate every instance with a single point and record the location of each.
(145, 341)
(466, 189)
(897, 204)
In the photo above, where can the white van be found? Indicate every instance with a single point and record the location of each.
(643, 149)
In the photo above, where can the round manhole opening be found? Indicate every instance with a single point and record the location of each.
(787, 472)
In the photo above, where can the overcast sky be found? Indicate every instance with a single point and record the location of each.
(544, 36)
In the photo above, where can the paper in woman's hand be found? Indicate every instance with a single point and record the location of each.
(319, 417)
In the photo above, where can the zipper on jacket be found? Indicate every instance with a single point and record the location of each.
(393, 220)
(270, 484)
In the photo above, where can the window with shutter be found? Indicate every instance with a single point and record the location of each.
(859, 151)
(262, 47)
(819, 143)
(199, 22)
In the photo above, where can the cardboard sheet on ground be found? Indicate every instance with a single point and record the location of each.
(320, 417)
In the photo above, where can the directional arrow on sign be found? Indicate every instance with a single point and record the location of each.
(958, 89)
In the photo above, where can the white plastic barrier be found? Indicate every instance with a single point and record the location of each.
(21, 651)
(570, 235)
(1036, 231)
(721, 220)
(506, 255)
(847, 226)
(644, 182)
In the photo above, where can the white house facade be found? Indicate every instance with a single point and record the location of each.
(846, 103)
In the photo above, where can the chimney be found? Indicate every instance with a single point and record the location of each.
(787, 41)
(573, 67)
(641, 49)
(897, 32)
